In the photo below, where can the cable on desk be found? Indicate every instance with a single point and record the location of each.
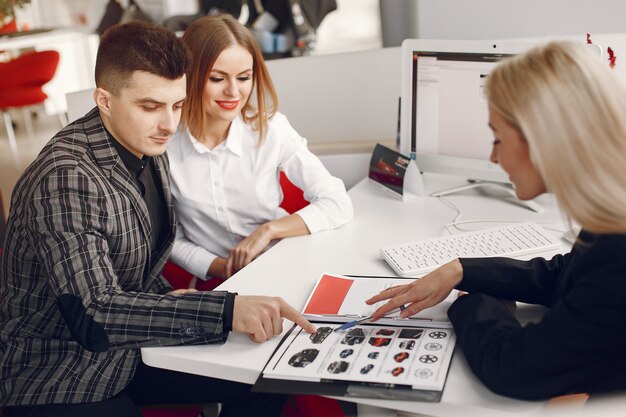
(456, 222)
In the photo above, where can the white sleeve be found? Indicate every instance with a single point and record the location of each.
(191, 257)
(330, 205)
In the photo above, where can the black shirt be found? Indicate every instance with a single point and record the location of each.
(145, 177)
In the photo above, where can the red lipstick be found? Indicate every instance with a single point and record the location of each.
(227, 105)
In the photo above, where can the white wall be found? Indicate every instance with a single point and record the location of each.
(497, 19)
(340, 97)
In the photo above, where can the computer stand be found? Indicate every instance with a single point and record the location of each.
(529, 204)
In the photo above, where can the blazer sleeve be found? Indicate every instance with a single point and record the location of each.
(527, 281)
(69, 235)
(576, 346)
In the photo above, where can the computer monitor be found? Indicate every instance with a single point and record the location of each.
(444, 112)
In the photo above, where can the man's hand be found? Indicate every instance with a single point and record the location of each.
(421, 293)
(181, 291)
(262, 317)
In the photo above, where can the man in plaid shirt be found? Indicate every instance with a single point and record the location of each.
(90, 227)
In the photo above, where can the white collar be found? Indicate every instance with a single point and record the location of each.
(233, 140)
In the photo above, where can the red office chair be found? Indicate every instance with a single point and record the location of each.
(21, 82)
(293, 197)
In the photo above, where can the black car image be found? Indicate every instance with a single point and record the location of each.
(320, 335)
(410, 333)
(345, 353)
(407, 344)
(338, 367)
(373, 355)
(367, 368)
(303, 358)
(354, 337)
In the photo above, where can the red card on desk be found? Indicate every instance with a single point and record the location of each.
(328, 295)
(341, 299)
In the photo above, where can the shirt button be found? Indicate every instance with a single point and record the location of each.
(220, 208)
(216, 183)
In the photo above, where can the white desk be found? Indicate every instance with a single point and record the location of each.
(291, 268)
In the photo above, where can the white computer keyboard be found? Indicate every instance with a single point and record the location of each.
(425, 255)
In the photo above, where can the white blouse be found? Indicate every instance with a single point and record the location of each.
(223, 195)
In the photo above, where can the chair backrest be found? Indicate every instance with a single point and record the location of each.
(32, 69)
(293, 197)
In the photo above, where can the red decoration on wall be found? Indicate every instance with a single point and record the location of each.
(612, 57)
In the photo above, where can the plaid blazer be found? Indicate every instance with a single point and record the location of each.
(75, 303)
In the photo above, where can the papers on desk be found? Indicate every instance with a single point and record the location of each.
(399, 359)
(340, 299)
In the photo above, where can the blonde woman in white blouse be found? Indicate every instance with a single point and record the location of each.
(226, 157)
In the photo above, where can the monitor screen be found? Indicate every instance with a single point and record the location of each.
(444, 107)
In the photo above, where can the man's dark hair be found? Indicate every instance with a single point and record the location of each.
(138, 46)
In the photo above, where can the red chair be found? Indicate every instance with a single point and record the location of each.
(293, 197)
(21, 82)
(9, 27)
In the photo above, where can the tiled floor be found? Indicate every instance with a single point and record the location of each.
(45, 127)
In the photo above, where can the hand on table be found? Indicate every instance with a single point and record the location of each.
(420, 294)
(248, 249)
(218, 268)
(262, 317)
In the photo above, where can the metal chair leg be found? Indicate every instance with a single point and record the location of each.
(63, 119)
(12, 142)
(28, 123)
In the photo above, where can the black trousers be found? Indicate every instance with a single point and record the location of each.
(153, 386)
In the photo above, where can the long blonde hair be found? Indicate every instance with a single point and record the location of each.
(206, 38)
(571, 108)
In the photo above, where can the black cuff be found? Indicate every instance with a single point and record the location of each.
(229, 306)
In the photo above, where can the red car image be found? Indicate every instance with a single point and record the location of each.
(397, 371)
(399, 357)
(386, 168)
(379, 341)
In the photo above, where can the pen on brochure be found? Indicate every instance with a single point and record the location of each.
(353, 323)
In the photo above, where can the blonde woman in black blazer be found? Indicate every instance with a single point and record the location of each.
(557, 114)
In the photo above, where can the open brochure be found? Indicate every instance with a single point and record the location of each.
(340, 299)
(399, 359)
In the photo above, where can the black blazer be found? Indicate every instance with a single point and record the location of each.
(75, 303)
(580, 343)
